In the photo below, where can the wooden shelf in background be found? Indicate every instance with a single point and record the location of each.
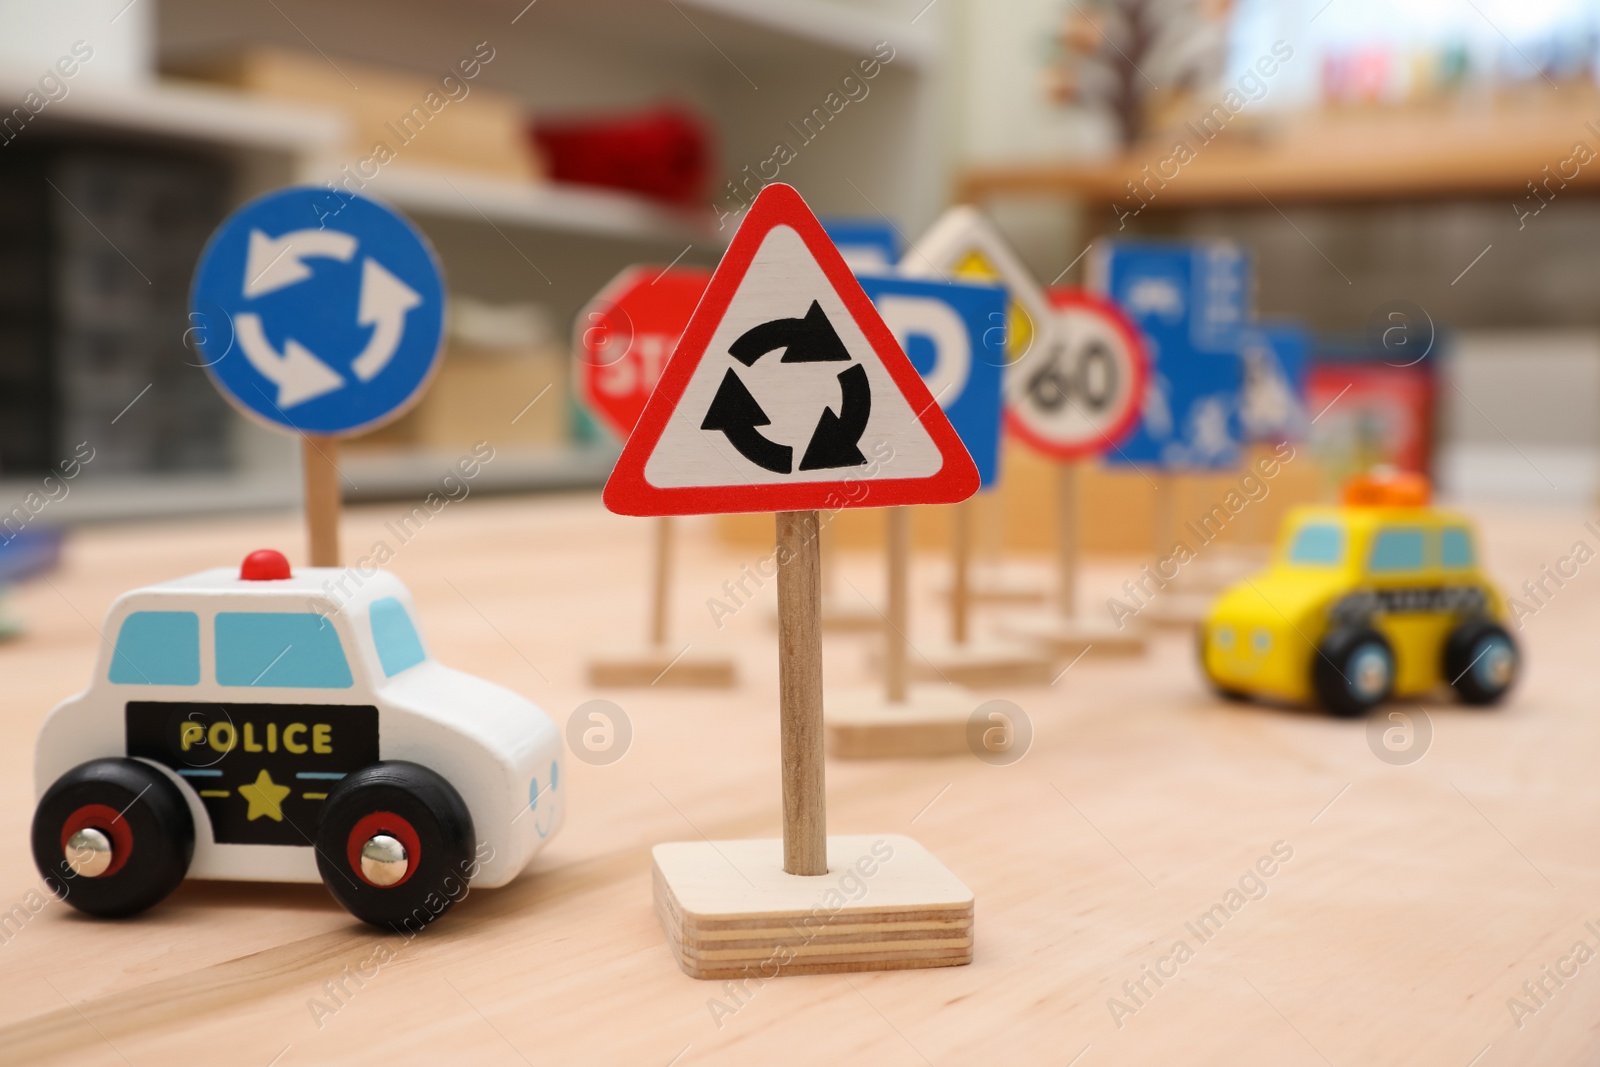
(1349, 156)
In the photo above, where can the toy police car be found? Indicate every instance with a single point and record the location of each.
(1381, 597)
(279, 726)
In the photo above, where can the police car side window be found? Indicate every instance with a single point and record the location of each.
(395, 636)
(280, 649)
(1397, 550)
(1455, 547)
(157, 648)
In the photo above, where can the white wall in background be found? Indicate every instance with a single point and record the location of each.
(1520, 416)
(34, 34)
(1005, 115)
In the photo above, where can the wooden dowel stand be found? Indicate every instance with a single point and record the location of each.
(894, 630)
(1067, 538)
(661, 587)
(961, 568)
(805, 818)
(320, 461)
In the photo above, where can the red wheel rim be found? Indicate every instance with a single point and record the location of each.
(384, 822)
(108, 821)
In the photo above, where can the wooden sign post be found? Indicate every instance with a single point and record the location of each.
(805, 805)
(324, 500)
(621, 341)
(788, 394)
(282, 288)
(1071, 403)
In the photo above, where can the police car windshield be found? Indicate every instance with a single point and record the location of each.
(1317, 544)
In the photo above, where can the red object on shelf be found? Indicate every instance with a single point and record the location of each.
(664, 153)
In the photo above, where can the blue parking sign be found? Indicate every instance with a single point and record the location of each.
(314, 320)
(1191, 301)
(954, 334)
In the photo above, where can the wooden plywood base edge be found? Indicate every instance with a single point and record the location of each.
(1005, 584)
(931, 722)
(1175, 610)
(729, 911)
(983, 663)
(1072, 636)
(663, 667)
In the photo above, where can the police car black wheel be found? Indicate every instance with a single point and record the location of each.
(113, 837)
(1353, 671)
(1481, 662)
(395, 845)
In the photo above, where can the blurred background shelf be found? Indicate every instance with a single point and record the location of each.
(540, 205)
(187, 113)
(237, 100)
(1348, 156)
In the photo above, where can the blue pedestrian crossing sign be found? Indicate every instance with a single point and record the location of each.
(954, 334)
(318, 322)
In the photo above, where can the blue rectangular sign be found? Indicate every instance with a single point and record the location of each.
(866, 244)
(1276, 357)
(954, 334)
(1191, 301)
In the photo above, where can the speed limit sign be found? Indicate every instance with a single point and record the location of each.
(1081, 395)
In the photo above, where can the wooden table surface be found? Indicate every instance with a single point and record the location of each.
(1417, 900)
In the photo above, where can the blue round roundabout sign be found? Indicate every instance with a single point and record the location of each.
(317, 322)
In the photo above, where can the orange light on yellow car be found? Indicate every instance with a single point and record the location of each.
(1386, 487)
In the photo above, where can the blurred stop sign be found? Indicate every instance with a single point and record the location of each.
(625, 336)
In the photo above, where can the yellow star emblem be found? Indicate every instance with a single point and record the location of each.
(264, 796)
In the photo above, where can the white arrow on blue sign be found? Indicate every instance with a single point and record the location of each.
(314, 322)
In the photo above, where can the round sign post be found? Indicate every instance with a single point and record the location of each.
(621, 343)
(319, 314)
(1072, 402)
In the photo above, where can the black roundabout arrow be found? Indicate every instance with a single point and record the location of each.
(836, 442)
(808, 340)
(735, 412)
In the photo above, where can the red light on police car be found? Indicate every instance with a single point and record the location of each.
(264, 565)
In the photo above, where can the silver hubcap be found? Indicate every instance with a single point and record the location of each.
(1495, 665)
(89, 853)
(1369, 673)
(383, 860)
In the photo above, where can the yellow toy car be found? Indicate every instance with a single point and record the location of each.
(1381, 597)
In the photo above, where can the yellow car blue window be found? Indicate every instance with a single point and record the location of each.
(280, 649)
(1318, 543)
(395, 636)
(1455, 547)
(1397, 550)
(157, 648)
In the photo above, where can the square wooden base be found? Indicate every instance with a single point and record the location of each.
(982, 663)
(663, 667)
(1068, 637)
(1172, 609)
(729, 910)
(932, 721)
(1008, 584)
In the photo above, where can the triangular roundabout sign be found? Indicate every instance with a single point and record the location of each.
(787, 392)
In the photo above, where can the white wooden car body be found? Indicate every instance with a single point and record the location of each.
(499, 750)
